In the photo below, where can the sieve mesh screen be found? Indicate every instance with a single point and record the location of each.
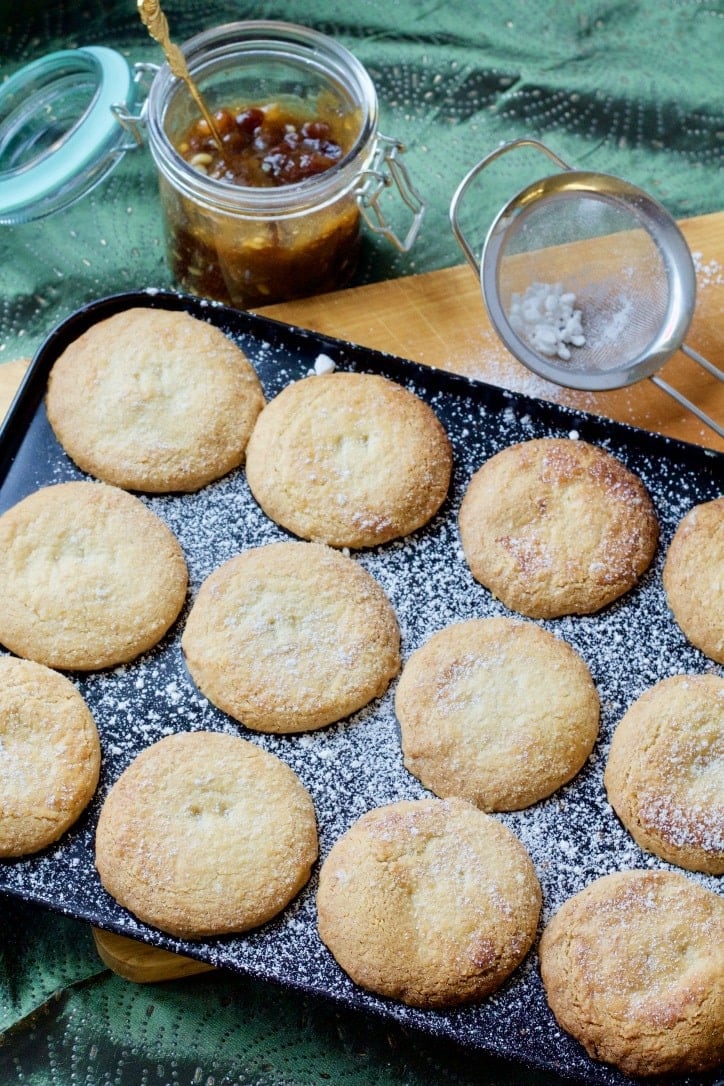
(597, 250)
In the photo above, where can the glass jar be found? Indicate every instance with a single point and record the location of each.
(249, 246)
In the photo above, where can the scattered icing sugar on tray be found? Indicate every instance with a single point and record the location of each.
(573, 837)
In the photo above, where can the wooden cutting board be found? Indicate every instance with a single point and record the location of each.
(439, 319)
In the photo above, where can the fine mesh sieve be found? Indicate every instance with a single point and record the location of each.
(587, 280)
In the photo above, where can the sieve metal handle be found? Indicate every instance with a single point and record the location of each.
(681, 399)
(714, 370)
(462, 188)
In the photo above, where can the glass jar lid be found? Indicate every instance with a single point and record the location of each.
(59, 135)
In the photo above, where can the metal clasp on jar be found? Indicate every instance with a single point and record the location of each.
(135, 123)
(387, 169)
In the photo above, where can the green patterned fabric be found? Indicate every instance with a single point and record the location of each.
(620, 86)
(626, 87)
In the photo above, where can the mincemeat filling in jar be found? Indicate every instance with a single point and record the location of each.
(256, 261)
(262, 146)
(275, 210)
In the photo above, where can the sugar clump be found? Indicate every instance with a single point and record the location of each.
(545, 316)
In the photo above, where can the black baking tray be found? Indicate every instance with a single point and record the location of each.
(573, 837)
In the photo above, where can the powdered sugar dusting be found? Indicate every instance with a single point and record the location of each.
(708, 272)
(572, 837)
(686, 825)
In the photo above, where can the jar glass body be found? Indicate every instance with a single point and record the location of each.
(250, 246)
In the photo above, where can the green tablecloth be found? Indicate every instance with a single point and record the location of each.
(613, 85)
